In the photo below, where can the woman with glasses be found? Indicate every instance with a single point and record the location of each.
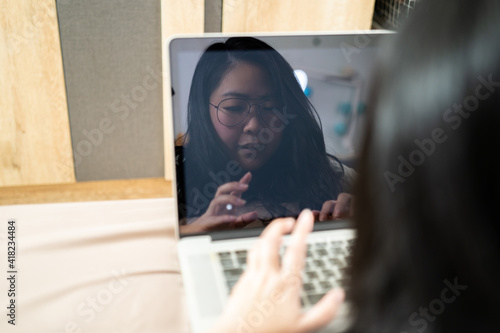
(254, 149)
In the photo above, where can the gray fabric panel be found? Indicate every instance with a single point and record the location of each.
(112, 66)
(213, 15)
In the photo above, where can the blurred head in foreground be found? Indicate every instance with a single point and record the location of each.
(428, 245)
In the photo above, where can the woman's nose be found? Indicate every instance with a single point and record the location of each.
(253, 122)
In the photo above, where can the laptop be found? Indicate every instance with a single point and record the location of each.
(333, 72)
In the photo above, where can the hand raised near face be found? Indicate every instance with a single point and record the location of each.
(220, 213)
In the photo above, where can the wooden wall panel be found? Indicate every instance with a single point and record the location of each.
(296, 15)
(184, 16)
(178, 17)
(35, 146)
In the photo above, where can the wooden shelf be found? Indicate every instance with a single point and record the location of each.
(87, 191)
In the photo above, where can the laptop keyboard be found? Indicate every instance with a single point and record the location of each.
(325, 268)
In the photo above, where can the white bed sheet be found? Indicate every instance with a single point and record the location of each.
(107, 266)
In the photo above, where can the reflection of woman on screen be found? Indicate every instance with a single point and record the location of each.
(254, 149)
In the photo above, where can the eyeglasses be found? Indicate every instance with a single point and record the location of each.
(234, 111)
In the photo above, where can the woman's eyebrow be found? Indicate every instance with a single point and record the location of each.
(245, 96)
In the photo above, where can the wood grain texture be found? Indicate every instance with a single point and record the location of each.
(296, 15)
(35, 144)
(87, 191)
(177, 17)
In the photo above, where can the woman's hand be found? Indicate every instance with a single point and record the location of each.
(267, 296)
(218, 216)
(335, 209)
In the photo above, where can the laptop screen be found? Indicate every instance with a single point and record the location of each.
(267, 126)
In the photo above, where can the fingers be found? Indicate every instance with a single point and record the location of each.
(227, 198)
(327, 210)
(343, 206)
(229, 193)
(249, 217)
(220, 222)
(265, 252)
(247, 177)
(336, 209)
(231, 187)
(323, 312)
(294, 257)
(221, 201)
(204, 224)
(245, 219)
(245, 180)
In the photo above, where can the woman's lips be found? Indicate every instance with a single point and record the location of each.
(252, 147)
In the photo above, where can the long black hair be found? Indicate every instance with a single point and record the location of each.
(426, 256)
(298, 172)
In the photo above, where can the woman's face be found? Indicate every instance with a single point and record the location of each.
(252, 142)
